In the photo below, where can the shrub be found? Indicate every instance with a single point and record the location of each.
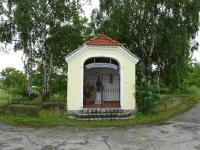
(193, 90)
(61, 97)
(147, 99)
(165, 90)
(35, 92)
(14, 81)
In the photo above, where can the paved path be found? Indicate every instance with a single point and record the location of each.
(183, 135)
(192, 116)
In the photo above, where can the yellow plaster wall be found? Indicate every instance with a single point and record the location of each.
(75, 76)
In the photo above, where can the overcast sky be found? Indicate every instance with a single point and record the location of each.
(14, 59)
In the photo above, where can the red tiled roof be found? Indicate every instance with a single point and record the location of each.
(103, 40)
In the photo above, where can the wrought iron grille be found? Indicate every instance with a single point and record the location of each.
(110, 91)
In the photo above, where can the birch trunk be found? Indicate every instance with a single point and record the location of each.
(30, 70)
(158, 81)
(149, 71)
(45, 77)
(47, 68)
(149, 61)
(147, 49)
(28, 65)
(158, 75)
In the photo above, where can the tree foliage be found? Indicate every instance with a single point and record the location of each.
(46, 31)
(147, 99)
(14, 81)
(193, 77)
(159, 32)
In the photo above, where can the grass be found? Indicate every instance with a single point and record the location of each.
(190, 91)
(36, 101)
(17, 99)
(26, 101)
(3, 97)
(140, 119)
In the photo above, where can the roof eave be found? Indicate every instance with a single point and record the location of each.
(132, 56)
(137, 59)
(67, 58)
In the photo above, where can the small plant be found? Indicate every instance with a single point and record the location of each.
(147, 99)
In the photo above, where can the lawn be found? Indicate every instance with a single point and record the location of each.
(140, 119)
(3, 97)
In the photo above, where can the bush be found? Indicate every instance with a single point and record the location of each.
(58, 97)
(35, 92)
(193, 90)
(14, 81)
(165, 90)
(147, 99)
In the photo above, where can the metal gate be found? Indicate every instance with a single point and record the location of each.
(110, 90)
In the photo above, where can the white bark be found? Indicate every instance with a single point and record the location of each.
(30, 69)
(47, 68)
(45, 76)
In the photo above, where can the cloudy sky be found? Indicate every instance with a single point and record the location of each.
(14, 59)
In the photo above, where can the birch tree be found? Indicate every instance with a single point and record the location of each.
(33, 26)
(159, 32)
(17, 29)
(49, 16)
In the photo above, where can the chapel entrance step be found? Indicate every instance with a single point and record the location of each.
(102, 113)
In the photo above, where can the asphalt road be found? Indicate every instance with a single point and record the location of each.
(192, 116)
(182, 133)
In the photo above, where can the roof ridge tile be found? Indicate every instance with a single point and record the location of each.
(103, 40)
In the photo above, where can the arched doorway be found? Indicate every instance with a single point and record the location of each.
(101, 83)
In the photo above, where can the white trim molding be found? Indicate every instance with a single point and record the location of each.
(121, 49)
(82, 78)
(74, 53)
(120, 72)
